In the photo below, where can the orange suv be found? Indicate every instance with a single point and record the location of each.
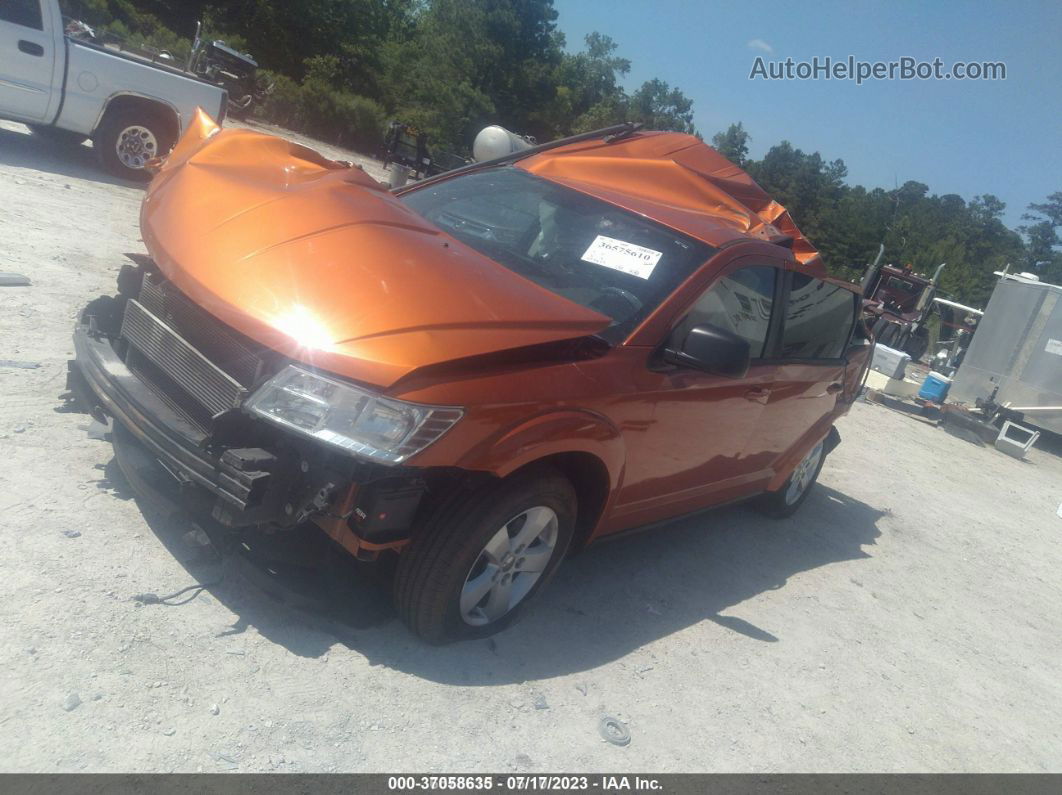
(479, 373)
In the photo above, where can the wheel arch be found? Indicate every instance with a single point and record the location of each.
(590, 477)
(586, 447)
(117, 103)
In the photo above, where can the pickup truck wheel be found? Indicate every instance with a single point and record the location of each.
(127, 139)
(472, 569)
(785, 502)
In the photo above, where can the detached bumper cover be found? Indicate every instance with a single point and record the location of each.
(177, 444)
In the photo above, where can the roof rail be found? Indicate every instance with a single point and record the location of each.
(614, 133)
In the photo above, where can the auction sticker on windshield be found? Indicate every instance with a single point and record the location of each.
(622, 256)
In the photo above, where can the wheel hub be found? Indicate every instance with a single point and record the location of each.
(800, 480)
(135, 146)
(509, 566)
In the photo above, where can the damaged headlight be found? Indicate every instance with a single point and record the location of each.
(350, 418)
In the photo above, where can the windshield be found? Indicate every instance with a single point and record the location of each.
(579, 247)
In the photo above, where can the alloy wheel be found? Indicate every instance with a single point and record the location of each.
(803, 475)
(509, 565)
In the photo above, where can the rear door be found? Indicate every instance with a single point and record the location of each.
(809, 377)
(27, 59)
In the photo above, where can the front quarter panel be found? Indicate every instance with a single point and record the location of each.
(563, 431)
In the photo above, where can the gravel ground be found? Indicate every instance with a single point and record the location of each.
(907, 619)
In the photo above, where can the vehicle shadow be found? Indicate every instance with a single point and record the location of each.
(612, 599)
(617, 597)
(22, 149)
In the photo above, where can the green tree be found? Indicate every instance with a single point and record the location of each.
(733, 144)
(1042, 232)
(660, 107)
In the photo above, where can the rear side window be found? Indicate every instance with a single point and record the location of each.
(741, 303)
(818, 319)
(22, 12)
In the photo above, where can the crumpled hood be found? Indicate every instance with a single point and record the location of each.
(321, 262)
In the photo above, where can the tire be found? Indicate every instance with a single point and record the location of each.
(916, 346)
(141, 133)
(57, 136)
(456, 553)
(784, 503)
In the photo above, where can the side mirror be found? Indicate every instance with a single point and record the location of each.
(712, 349)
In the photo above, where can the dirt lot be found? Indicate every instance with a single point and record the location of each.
(906, 619)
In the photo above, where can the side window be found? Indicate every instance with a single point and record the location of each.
(22, 12)
(740, 302)
(818, 319)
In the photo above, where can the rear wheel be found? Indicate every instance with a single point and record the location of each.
(127, 139)
(785, 502)
(471, 570)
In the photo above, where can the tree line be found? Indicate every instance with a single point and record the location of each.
(341, 69)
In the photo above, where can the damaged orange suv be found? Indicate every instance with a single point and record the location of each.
(479, 373)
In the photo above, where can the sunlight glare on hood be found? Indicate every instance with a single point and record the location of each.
(303, 326)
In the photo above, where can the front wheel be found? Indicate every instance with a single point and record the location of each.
(472, 569)
(127, 139)
(785, 502)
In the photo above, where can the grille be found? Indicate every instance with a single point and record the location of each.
(168, 390)
(238, 356)
(192, 361)
(215, 389)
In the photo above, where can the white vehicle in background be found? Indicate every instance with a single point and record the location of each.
(63, 87)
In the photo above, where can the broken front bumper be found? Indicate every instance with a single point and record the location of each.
(101, 379)
(279, 482)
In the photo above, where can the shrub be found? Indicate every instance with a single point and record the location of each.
(316, 108)
(281, 104)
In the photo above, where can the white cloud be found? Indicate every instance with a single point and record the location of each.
(761, 45)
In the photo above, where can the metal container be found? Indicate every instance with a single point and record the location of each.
(1015, 358)
(890, 361)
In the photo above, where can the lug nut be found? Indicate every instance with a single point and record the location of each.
(305, 466)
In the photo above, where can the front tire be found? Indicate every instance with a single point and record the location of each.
(127, 139)
(471, 570)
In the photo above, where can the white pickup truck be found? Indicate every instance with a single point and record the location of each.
(63, 87)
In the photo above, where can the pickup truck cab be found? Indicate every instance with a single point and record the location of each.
(64, 87)
(479, 373)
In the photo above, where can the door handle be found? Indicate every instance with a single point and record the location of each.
(30, 47)
(834, 388)
(758, 394)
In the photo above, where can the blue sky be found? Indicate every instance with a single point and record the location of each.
(965, 137)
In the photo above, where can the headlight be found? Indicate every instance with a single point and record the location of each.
(351, 418)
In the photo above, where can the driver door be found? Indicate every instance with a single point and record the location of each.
(694, 454)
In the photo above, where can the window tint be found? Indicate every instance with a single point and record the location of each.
(741, 303)
(22, 12)
(818, 319)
